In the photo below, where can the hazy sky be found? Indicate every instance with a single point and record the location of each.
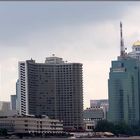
(85, 32)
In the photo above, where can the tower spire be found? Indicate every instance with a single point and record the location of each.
(122, 49)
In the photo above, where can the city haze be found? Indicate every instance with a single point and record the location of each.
(84, 32)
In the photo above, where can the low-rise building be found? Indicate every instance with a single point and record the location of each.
(92, 116)
(102, 103)
(30, 124)
(89, 125)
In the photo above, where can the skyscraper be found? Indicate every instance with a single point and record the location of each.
(124, 89)
(53, 88)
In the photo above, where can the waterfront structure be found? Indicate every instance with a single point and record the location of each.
(89, 125)
(91, 116)
(53, 88)
(13, 102)
(30, 124)
(124, 89)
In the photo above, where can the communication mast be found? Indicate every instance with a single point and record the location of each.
(122, 49)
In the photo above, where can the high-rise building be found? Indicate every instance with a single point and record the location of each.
(124, 89)
(53, 88)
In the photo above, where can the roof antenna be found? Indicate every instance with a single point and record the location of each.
(122, 49)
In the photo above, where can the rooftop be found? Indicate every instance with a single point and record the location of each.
(137, 43)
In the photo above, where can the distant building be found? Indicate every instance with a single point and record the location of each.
(89, 125)
(18, 97)
(102, 103)
(93, 113)
(98, 103)
(1, 105)
(53, 88)
(5, 109)
(135, 51)
(30, 124)
(13, 102)
(5, 105)
(92, 116)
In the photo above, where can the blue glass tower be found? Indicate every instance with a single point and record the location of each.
(124, 91)
(124, 88)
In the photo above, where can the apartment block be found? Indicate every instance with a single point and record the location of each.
(53, 88)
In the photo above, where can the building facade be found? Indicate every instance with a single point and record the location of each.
(102, 103)
(30, 124)
(5, 109)
(93, 113)
(53, 88)
(91, 116)
(18, 96)
(5, 105)
(98, 103)
(124, 91)
(13, 102)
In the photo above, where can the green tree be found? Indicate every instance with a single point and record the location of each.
(123, 128)
(118, 128)
(104, 126)
(3, 132)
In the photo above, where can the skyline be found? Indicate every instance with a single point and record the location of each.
(84, 32)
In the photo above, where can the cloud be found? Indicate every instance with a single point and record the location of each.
(20, 19)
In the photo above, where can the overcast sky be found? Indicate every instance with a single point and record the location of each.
(85, 32)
